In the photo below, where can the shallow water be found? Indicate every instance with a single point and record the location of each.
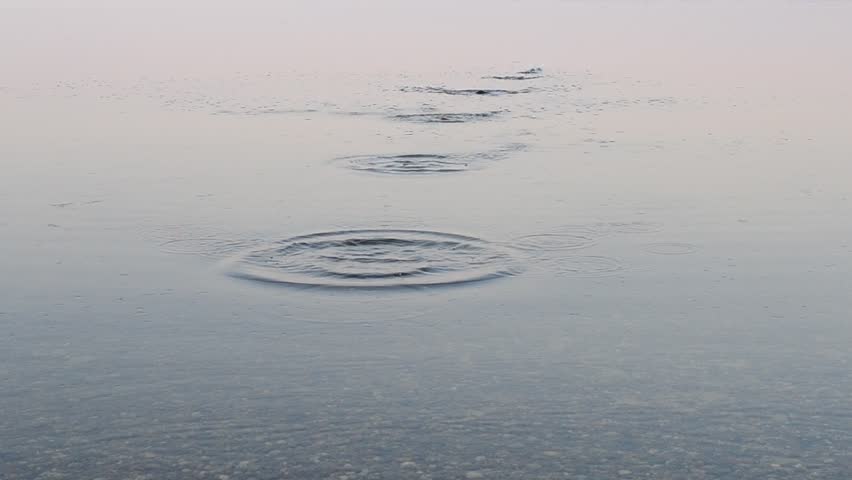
(297, 243)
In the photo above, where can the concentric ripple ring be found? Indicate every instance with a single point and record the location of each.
(411, 164)
(554, 241)
(374, 259)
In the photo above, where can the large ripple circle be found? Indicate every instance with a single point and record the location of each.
(411, 164)
(374, 259)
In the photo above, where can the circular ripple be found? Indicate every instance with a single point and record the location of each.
(529, 74)
(671, 248)
(467, 91)
(532, 71)
(515, 77)
(631, 227)
(374, 259)
(424, 164)
(408, 164)
(554, 241)
(588, 266)
(446, 117)
(205, 246)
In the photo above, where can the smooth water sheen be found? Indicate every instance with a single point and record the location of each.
(550, 239)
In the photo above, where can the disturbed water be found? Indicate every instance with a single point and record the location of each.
(543, 239)
(427, 163)
(415, 163)
(466, 91)
(529, 74)
(446, 117)
(374, 259)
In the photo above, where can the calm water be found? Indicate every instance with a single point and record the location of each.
(392, 240)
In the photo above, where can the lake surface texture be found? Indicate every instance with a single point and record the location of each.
(579, 240)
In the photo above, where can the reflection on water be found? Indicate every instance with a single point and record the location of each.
(621, 264)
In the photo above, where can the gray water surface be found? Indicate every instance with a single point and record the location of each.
(298, 242)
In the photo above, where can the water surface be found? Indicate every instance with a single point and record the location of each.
(629, 257)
